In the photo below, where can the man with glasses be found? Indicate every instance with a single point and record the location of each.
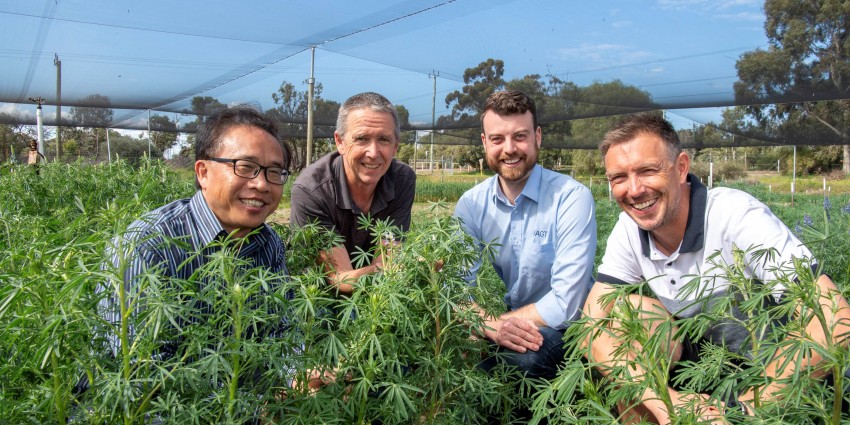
(240, 169)
(360, 178)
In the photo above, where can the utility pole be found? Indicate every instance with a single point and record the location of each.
(415, 138)
(150, 136)
(39, 100)
(310, 84)
(58, 65)
(433, 74)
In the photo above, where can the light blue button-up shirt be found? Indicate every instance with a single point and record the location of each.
(546, 241)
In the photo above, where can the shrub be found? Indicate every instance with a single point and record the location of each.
(723, 170)
(401, 346)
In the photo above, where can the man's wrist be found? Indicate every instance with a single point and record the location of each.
(490, 329)
(742, 406)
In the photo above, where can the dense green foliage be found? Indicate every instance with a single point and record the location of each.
(401, 346)
(807, 53)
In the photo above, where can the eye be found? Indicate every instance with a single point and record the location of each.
(648, 172)
(616, 179)
(277, 174)
(245, 167)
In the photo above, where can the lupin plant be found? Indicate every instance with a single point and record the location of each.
(580, 394)
(403, 348)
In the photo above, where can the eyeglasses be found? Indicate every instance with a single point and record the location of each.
(248, 169)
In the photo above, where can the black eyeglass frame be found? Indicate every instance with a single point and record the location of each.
(283, 172)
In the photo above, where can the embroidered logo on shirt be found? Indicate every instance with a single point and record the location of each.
(540, 233)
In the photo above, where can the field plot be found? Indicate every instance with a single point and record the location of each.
(402, 347)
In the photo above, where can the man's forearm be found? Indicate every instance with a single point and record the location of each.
(343, 282)
(528, 312)
(836, 313)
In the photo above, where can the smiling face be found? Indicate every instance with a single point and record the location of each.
(237, 202)
(647, 184)
(510, 145)
(367, 147)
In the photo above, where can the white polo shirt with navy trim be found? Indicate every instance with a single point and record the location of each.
(718, 221)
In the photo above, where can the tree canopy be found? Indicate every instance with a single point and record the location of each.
(807, 57)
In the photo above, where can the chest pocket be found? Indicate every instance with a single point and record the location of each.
(536, 260)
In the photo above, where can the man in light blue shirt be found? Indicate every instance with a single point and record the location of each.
(543, 227)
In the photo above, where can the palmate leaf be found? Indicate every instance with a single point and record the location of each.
(397, 400)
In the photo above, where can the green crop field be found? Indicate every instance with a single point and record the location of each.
(402, 346)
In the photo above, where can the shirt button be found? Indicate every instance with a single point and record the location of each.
(669, 264)
(673, 281)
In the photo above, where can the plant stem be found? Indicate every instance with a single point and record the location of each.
(435, 288)
(124, 339)
(236, 309)
(838, 397)
(58, 402)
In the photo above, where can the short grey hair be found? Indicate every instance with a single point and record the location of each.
(369, 100)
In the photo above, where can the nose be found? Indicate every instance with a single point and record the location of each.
(260, 182)
(509, 146)
(635, 185)
(372, 149)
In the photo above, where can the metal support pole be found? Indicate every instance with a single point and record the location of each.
(794, 176)
(150, 136)
(38, 117)
(310, 86)
(108, 147)
(58, 64)
(415, 139)
(433, 120)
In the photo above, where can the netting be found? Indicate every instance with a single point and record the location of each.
(160, 65)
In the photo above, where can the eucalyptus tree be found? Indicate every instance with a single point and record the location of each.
(96, 115)
(291, 113)
(808, 57)
(166, 134)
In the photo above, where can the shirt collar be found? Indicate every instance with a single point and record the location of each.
(384, 191)
(694, 239)
(208, 225)
(531, 190)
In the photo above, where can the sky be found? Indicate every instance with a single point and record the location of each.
(159, 54)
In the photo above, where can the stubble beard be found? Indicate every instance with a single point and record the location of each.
(671, 209)
(512, 174)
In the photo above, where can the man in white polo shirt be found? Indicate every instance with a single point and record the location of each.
(673, 230)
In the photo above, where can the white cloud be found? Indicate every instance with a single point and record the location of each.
(13, 110)
(708, 5)
(621, 24)
(605, 54)
(593, 52)
(742, 16)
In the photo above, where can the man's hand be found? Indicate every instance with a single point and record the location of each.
(317, 379)
(377, 262)
(514, 333)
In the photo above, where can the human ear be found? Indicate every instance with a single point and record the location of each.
(201, 171)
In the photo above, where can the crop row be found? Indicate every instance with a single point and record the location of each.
(402, 347)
